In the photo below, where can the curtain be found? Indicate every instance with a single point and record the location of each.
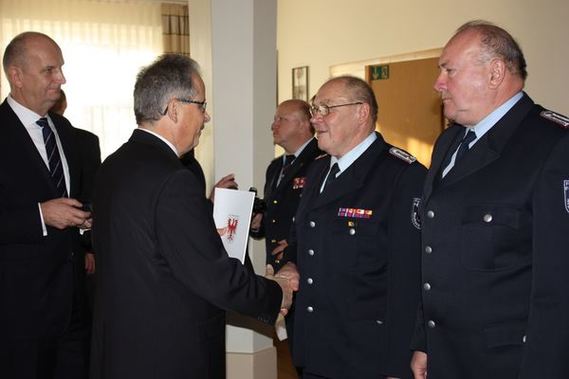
(104, 45)
(176, 28)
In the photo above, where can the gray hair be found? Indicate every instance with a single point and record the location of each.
(497, 42)
(169, 76)
(359, 90)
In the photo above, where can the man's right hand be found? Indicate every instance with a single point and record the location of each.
(65, 212)
(419, 365)
(288, 285)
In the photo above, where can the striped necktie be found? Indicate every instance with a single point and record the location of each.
(53, 157)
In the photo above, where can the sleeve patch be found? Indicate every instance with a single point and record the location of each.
(557, 118)
(403, 155)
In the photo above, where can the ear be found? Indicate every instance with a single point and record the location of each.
(172, 112)
(363, 112)
(15, 76)
(497, 72)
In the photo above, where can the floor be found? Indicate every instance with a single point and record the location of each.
(284, 363)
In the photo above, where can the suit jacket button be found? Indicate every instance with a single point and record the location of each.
(312, 224)
(428, 249)
(487, 217)
(309, 281)
(431, 324)
(430, 214)
(310, 252)
(309, 309)
(427, 286)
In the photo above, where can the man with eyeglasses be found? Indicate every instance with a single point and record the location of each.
(163, 276)
(357, 242)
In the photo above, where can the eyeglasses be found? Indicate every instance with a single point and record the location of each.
(324, 110)
(202, 104)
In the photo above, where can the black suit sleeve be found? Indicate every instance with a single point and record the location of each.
(193, 249)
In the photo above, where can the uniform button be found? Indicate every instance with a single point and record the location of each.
(352, 231)
(431, 324)
(309, 281)
(273, 241)
(379, 322)
(312, 224)
(310, 252)
(428, 249)
(524, 339)
(487, 217)
(427, 286)
(310, 309)
(275, 202)
(293, 219)
(273, 221)
(430, 214)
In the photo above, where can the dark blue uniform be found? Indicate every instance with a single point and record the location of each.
(496, 252)
(358, 252)
(282, 200)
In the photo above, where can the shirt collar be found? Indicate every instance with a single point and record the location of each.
(170, 145)
(27, 116)
(489, 121)
(350, 157)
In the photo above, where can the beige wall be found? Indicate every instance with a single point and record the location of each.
(324, 33)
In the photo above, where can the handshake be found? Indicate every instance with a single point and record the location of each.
(288, 278)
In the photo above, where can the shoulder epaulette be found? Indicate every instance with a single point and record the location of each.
(403, 155)
(557, 118)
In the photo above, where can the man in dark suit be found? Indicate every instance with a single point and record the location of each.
(285, 178)
(163, 277)
(357, 242)
(495, 222)
(42, 333)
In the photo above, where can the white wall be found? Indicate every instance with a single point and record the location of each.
(323, 33)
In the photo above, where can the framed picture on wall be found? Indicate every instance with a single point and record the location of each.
(300, 83)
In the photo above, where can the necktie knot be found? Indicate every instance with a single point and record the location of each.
(289, 159)
(465, 144)
(42, 122)
(331, 175)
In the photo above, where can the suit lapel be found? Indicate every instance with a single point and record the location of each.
(16, 131)
(490, 146)
(307, 155)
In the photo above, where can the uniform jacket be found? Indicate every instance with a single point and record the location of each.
(163, 276)
(495, 252)
(36, 272)
(283, 200)
(358, 254)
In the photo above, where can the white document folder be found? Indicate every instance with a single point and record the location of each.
(232, 215)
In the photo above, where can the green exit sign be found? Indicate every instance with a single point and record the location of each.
(379, 72)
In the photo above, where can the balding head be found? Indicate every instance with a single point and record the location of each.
(291, 125)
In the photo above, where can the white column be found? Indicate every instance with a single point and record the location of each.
(235, 44)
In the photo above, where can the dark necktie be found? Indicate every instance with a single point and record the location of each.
(53, 157)
(465, 145)
(462, 149)
(287, 163)
(331, 175)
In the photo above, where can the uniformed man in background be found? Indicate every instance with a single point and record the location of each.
(496, 222)
(357, 242)
(285, 178)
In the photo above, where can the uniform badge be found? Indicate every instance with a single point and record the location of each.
(403, 155)
(557, 118)
(355, 212)
(415, 215)
(298, 183)
(566, 194)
